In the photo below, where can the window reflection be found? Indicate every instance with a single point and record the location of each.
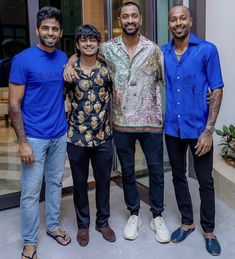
(13, 39)
(10, 48)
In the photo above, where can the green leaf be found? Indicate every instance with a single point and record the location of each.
(233, 134)
(231, 128)
(225, 130)
(219, 132)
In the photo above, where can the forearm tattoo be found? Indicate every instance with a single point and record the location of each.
(16, 117)
(214, 106)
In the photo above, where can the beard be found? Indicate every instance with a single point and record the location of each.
(132, 32)
(180, 36)
(47, 43)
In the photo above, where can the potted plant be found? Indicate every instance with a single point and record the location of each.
(228, 142)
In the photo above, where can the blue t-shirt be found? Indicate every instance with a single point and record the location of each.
(43, 104)
(187, 83)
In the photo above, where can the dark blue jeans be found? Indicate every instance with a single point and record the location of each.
(101, 161)
(152, 146)
(177, 149)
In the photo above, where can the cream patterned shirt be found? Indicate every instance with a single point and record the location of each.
(137, 105)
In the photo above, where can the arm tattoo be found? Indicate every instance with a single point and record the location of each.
(16, 117)
(214, 106)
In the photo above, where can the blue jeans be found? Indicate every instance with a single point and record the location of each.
(49, 161)
(152, 146)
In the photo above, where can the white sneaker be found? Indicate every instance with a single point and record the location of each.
(162, 233)
(131, 228)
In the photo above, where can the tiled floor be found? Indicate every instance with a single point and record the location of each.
(144, 247)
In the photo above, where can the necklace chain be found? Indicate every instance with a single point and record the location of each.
(179, 54)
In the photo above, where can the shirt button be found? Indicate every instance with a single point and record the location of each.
(178, 77)
(178, 116)
(178, 103)
(178, 90)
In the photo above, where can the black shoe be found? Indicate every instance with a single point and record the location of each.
(179, 234)
(213, 246)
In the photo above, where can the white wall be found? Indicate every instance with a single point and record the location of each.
(220, 29)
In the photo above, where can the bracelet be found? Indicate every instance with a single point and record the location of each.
(210, 128)
(65, 65)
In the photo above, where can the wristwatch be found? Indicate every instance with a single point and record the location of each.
(210, 128)
(65, 65)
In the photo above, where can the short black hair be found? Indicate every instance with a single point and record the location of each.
(178, 5)
(127, 4)
(48, 12)
(86, 31)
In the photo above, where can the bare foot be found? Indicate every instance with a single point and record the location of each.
(209, 235)
(60, 236)
(29, 251)
(187, 227)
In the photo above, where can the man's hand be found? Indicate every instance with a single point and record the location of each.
(204, 143)
(26, 153)
(70, 74)
(208, 97)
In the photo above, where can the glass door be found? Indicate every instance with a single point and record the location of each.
(13, 38)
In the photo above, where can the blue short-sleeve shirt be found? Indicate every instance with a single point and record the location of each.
(42, 106)
(187, 83)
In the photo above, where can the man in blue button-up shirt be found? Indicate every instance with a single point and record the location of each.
(191, 68)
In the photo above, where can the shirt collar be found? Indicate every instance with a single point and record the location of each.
(143, 40)
(97, 64)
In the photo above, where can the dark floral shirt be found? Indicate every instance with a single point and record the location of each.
(89, 107)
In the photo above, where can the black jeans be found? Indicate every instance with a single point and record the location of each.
(177, 149)
(152, 146)
(101, 161)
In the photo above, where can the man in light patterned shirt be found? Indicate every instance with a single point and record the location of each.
(135, 66)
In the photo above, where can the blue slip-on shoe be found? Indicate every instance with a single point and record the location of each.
(213, 246)
(179, 234)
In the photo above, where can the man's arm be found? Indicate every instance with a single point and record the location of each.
(69, 72)
(204, 143)
(16, 94)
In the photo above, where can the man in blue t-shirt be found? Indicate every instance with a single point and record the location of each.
(191, 68)
(38, 116)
